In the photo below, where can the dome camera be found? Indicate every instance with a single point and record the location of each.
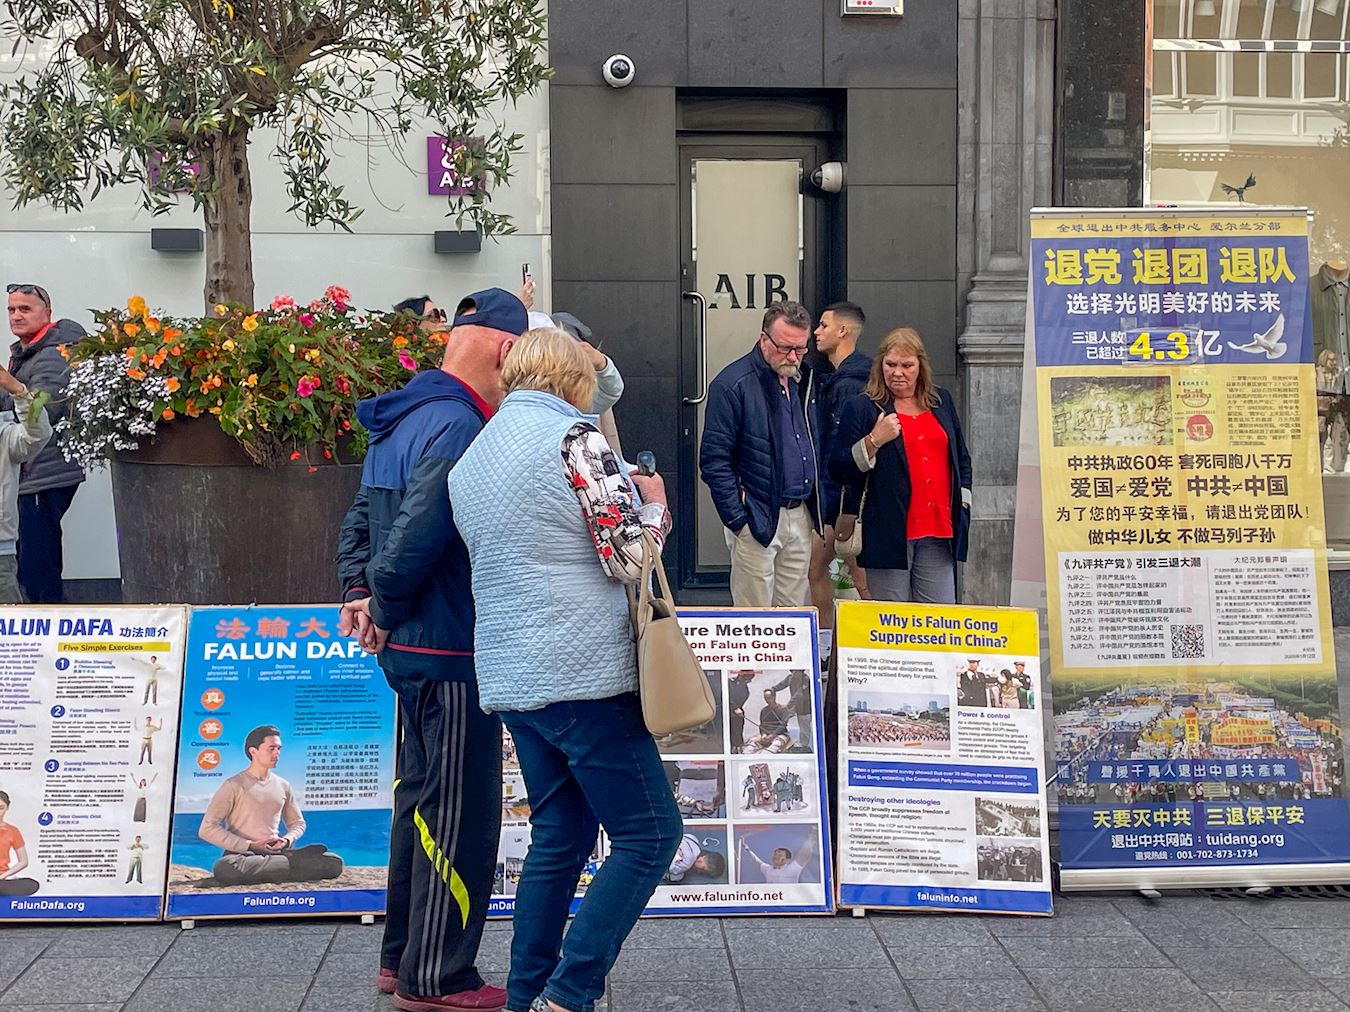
(829, 177)
(619, 71)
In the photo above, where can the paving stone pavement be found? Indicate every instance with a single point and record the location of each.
(1185, 952)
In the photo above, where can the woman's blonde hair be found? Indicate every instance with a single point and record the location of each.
(550, 360)
(905, 340)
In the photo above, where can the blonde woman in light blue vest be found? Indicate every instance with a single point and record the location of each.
(553, 533)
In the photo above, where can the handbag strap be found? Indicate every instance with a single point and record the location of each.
(640, 598)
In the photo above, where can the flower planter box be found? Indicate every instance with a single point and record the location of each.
(199, 523)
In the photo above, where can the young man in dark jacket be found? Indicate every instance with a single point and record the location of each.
(48, 482)
(759, 461)
(841, 325)
(405, 576)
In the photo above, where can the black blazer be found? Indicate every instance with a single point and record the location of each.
(884, 545)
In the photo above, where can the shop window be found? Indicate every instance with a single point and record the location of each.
(1250, 19)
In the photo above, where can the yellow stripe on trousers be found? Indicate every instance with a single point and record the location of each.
(442, 865)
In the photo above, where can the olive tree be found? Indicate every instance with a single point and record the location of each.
(167, 94)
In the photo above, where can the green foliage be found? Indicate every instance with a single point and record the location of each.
(142, 91)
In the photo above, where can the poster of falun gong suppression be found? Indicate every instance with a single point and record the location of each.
(941, 797)
(286, 770)
(88, 712)
(749, 784)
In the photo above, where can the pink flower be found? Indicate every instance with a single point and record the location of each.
(305, 387)
(308, 319)
(282, 304)
(407, 361)
(338, 295)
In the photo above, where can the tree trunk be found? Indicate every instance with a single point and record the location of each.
(229, 230)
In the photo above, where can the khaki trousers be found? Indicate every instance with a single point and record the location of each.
(776, 576)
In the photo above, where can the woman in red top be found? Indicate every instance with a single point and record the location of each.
(11, 840)
(900, 444)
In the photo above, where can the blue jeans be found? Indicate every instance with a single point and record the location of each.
(930, 578)
(586, 764)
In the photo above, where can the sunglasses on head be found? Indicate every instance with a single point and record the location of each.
(37, 290)
(437, 314)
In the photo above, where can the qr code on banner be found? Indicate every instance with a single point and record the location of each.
(1188, 641)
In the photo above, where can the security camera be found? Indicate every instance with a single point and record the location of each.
(829, 177)
(618, 71)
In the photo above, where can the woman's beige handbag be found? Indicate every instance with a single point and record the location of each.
(674, 690)
(852, 545)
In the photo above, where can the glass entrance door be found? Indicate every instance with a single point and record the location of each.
(747, 228)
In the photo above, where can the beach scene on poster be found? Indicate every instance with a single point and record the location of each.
(285, 781)
(941, 801)
(749, 783)
(90, 703)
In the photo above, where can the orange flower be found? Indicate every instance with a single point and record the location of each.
(191, 408)
(136, 374)
(172, 332)
(400, 341)
(206, 385)
(131, 329)
(136, 306)
(252, 380)
(167, 414)
(173, 384)
(152, 324)
(158, 359)
(176, 350)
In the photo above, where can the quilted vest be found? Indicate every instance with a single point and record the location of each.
(551, 625)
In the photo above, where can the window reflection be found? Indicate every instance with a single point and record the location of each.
(1250, 19)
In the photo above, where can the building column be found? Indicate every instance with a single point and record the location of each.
(1006, 95)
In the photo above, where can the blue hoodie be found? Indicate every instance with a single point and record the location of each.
(398, 543)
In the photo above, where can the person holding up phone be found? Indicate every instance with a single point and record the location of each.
(901, 457)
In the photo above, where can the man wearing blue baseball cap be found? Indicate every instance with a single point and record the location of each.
(405, 578)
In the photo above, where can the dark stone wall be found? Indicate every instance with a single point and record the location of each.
(1101, 107)
(615, 194)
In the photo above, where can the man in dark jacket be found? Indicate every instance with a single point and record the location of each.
(841, 325)
(759, 461)
(48, 482)
(405, 576)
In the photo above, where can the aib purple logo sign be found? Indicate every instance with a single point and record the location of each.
(443, 175)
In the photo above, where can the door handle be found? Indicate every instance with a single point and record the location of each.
(702, 347)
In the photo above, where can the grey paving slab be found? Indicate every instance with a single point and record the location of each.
(862, 990)
(670, 933)
(78, 981)
(1121, 990)
(1279, 1001)
(1081, 952)
(270, 954)
(902, 930)
(1074, 918)
(662, 965)
(1268, 914)
(790, 923)
(113, 940)
(1232, 968)
(16, 953)
(1188, 921)
(97, 1007)
(494, 952)
(1340, 988)
(774, 948)
(341, 968)
(357, 938)
(255, 929)
(1323, 952)
(677, 996)
(955, 962)
(964, 995)
(247, 994)
(349, 998)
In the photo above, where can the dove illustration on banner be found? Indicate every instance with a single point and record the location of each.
(1270, 342)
